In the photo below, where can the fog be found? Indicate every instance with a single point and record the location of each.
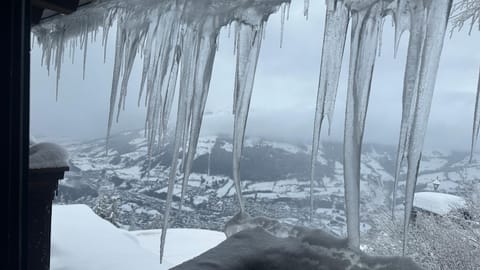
(284, 95)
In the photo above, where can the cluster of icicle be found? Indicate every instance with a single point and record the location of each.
(426, 22)
(178, 41)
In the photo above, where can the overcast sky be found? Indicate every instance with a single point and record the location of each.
(285, 89)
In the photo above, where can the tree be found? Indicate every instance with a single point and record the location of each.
(466, 12)
(106, 208)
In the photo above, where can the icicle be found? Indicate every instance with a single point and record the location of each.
(187, 81)
(282, 23)
(248, 50)
(235, 46)
(203, 74)
(85, 46)
(229, 30)
(173, 45)
(288, 10)
(130, 55)
(476, 120)
(336, 24)
(380, 36)
(172, 81)
(417, 12)
(402, 17)
(58, 60)
(73, 53)
(119, 51)
(306, 7)
(436, 24)
(363, 50)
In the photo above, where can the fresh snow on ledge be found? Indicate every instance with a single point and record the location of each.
(438, 203)
(81, 240)
(47, 155)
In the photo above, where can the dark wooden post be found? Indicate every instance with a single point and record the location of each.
(42, 186)
(14, 115)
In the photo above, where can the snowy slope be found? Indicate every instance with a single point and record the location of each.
(82, 240)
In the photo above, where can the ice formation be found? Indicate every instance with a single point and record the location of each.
(336, 24)
(178, 40)
(476, 120)
(426, 22)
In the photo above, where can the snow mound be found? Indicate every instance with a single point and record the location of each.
(181, 244)
(81, 240)
(47, 155)
(438, 203)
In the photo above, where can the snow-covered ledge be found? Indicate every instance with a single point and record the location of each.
(47, 155)
(47, 165)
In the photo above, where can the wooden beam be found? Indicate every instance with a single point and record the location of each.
(36, 15)
(60, 6)
(14, 115)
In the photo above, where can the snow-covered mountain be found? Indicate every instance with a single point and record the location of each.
(130, 189)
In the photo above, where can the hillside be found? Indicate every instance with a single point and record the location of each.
(275, 181)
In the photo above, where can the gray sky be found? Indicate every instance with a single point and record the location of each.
(284, 96)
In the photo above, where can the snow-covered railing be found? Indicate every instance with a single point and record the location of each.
(178, 41)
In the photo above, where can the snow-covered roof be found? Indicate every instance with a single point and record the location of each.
(438, 203)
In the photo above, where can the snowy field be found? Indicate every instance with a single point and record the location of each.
(82, 240)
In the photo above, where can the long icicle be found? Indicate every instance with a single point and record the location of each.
(417, 13)
(248, 50)
(119, 51)
(336, 25)
(186, 83)
(476, 120)
(203, 74)
(436, 25)
(363, 51)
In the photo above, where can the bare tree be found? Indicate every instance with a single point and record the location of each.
(466, 12)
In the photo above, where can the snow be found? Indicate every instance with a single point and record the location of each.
(225, 190)
(82, 240)
(205, 145)
(438, 203)
(197, 200)
(47, 155)
(183, 244)
(133, 173)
